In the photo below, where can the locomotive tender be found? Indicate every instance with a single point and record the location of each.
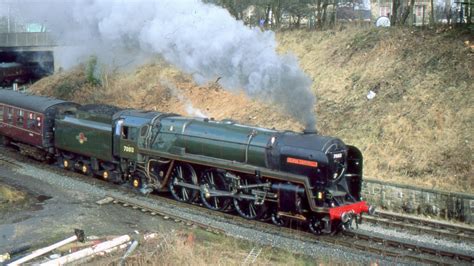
(259, 173)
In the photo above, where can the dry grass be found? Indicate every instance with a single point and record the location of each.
(10, 195)
(417, 130)
(159, 86)
(198, 247)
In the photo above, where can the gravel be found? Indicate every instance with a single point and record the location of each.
(51, 213)
(314, 249)
(83, 189)
(426, 240)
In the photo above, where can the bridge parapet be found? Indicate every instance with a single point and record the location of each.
(26, 39)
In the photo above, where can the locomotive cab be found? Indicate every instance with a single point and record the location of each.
(132, 129)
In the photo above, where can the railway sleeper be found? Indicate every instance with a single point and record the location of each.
(31, 151)
(392, 243)
(429, 251)
(447, 254)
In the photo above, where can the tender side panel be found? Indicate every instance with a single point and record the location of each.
(84, 137)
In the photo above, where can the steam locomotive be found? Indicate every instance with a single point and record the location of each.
(258, 173)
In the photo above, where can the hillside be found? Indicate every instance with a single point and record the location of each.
(416, 130)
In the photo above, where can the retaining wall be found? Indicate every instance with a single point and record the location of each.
(416, 200)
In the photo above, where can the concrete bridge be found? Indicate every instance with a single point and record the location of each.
(28, 40)
(35, 49)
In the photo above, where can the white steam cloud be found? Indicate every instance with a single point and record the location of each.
(201, 39)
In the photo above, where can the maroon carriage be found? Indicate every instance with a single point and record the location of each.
(29, 119)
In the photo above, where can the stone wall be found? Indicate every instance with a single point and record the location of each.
(415, 200)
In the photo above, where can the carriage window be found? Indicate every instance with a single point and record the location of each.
(19, 118)
(31, 123)
(1, 113)
(10, 115)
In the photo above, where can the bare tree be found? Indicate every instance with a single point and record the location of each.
(432, 20)
(277, 13)
(235, 7)
(394, 15)
(321, 8)
(407, 11)
(297, 10)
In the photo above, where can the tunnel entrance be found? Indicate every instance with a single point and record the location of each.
(24, 66)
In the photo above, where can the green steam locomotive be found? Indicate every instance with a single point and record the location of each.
(258, 173)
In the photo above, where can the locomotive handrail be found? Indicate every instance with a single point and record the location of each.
(351, 175)
(250, 137)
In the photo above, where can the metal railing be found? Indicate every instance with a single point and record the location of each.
(25, 39)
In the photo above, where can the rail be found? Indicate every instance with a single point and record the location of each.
(419, 225)
(125, 202)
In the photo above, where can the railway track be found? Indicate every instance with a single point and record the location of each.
(365, 242)
(403, 249)
(5, 160)
(419, 225)
(399, 250)
(166, 215)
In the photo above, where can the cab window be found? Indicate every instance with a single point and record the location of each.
(143, 131)
(124, 132)
(130, 133)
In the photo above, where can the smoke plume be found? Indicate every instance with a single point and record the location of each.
(201, 39)
(188, 105)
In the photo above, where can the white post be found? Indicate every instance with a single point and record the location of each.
(88, 251)
(42, 251)
(8, 20)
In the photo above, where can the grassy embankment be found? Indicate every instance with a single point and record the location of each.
(417, 130)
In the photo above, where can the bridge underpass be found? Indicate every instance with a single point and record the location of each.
(33, 50)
